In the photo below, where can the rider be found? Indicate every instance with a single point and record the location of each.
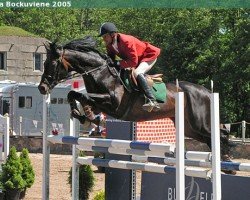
(135, 54)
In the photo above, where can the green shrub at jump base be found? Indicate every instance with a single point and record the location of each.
(11, 177)
(86, 180)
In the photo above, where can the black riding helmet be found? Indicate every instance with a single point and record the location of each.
(107, 27)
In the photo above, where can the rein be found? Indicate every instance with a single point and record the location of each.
(124, 85)
(76, 74)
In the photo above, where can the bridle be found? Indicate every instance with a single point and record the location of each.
(76, 74)
(55, 77)
(79, 74)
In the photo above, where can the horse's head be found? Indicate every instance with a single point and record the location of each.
(54, 68)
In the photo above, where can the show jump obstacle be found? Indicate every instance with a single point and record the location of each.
(141, 152)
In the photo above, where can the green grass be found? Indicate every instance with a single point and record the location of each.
(14, 31)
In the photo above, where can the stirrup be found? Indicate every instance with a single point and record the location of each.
(151, 106)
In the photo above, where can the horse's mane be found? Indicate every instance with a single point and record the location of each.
(85, 44)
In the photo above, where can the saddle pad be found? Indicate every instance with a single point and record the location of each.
(159, 88)
(160, 92)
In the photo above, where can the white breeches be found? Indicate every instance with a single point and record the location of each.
(144, 67)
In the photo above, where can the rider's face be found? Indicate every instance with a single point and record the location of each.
(107, 38)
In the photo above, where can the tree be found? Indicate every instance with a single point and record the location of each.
(197, 45)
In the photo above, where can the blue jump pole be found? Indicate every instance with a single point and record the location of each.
(202, 163)
(158, 147)
(235, 166)
(149, 167)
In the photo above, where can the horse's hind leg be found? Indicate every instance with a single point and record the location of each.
(225, 153)
(205, 137)
(225, 149)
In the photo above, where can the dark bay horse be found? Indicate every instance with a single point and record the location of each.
(106, 94)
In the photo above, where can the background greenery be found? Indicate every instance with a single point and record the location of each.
(197, 45)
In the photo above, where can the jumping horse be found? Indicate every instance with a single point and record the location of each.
(107, 94)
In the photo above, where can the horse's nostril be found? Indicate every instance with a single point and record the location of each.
(42, 89)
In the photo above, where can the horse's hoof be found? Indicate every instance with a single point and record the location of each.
(231, 172)
(226, 158)
(75, 113)
(82, 119)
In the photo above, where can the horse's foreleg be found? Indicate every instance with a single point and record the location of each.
(94, 100)
(100, 98)
(102, 102)
(73, 97)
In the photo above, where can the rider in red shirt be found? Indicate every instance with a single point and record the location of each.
(134, 54)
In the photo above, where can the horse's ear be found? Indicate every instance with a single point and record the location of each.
(47, 46)
(54, 48)
(59, 50)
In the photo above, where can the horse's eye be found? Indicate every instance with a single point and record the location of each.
(49, 78)
(54, 63)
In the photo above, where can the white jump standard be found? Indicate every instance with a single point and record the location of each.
(159, 150)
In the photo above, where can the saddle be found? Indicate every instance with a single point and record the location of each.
(130, 81)
(154, 81)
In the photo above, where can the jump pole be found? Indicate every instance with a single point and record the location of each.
(180, 165)
(114, 143)
(46, 148)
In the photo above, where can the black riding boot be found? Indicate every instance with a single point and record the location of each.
(152, 104)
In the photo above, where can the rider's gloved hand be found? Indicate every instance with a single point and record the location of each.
(113, 63)
(117, 64)
(110, 62)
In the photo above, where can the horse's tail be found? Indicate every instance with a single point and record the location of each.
(198, 111)
(198, 108)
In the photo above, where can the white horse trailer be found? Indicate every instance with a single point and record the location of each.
(24, 105)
